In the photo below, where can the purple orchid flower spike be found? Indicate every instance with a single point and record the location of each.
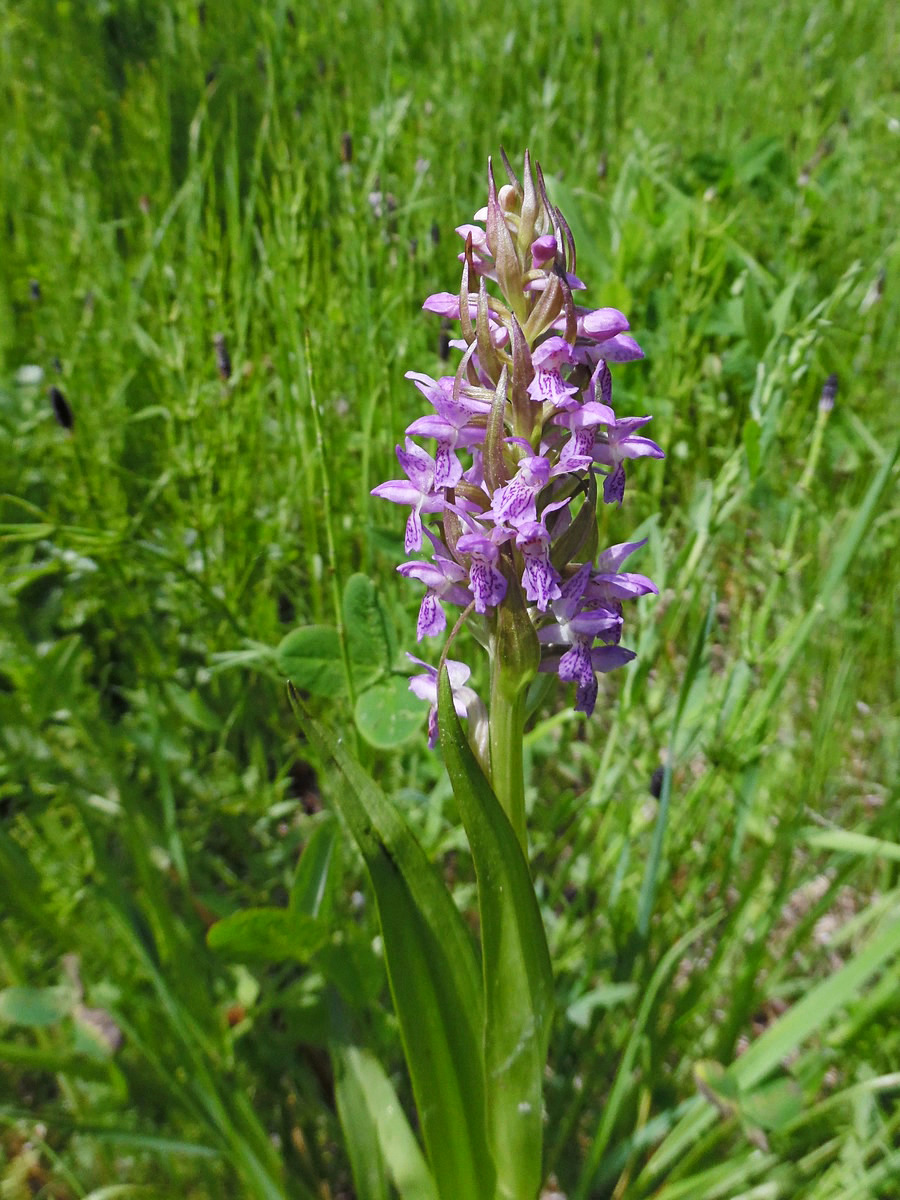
(520, 431)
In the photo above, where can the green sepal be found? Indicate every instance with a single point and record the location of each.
(488, 357)
(580, 539)
(516, 645)
(495, 472)
(545, 312)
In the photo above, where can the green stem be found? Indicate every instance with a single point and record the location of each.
(507, 730)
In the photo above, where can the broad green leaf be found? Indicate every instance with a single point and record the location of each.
(360, 1080)
(433, 976)
(388, 713)
(368, 631)
(518, 979)
(269, 934)
(717, 1085)
(311, 658)
(310, 887)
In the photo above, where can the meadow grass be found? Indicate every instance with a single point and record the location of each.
(170, 172)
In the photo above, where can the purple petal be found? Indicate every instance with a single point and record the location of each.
(541, 581)
(548, 386)
(613, 557)
(417, 464)
(626, 586)
(413, 537)
(603, 323)
(432, 620)
(614, 486)
(621, 349)
(398, 491)
(608, 658)
(543, 250)
(447, 467)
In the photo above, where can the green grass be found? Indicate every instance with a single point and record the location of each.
(168, 174)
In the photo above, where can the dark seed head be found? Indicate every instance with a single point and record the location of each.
(34, 290)
(346, 148)
(656, 782)
(223, 358)
(61, 408)
(829, 393)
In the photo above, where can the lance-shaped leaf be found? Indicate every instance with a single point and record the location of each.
(518, 982)
(433, 976)
(510, 173)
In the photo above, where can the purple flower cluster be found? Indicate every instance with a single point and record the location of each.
(522, 433)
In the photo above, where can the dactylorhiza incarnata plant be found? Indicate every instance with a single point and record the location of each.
(525, 440)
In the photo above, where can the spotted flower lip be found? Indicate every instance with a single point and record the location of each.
(524, 439)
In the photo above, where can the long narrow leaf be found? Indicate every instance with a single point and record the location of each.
(433, 976)
(379, 1109)
(518, 980)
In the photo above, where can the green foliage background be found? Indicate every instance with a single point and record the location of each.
(290, 178)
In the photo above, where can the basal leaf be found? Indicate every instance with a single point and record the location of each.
(433, 976)
(518, 980)
(309, 890)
